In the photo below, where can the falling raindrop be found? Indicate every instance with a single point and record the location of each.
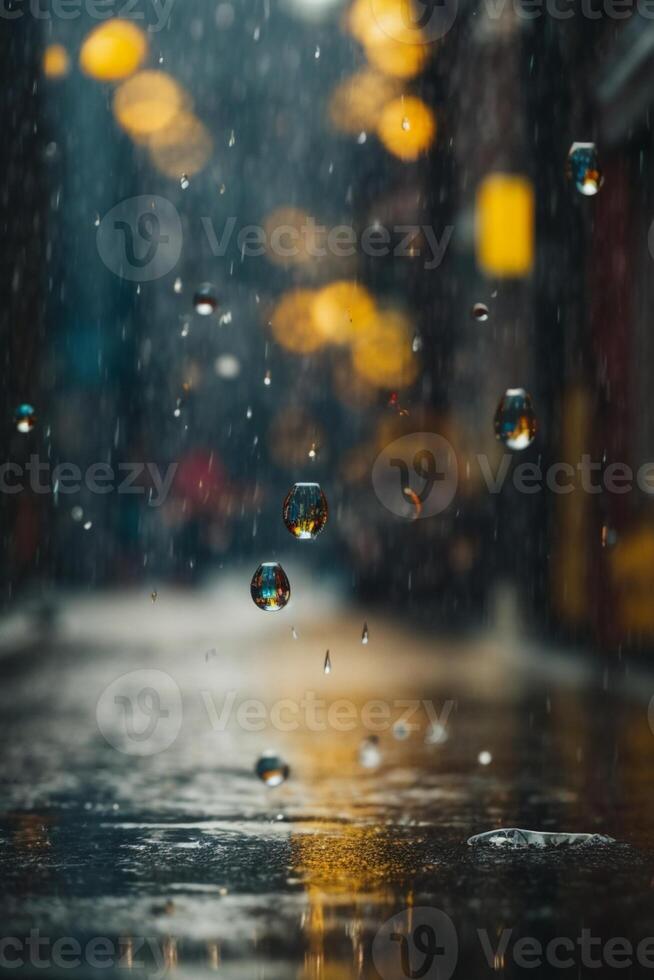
(154, 595)
(583, 168)
(271, 769)
(184, 182)
(328, 663)
(267, 379)
(177, 285)
(515, 419)
(480, 312)
(313, 452)
(204, 300)
(305, 511)
(270, 587)
(294, 633)
(88, 525)
(25, 418)
(365, 636)
(406, 124)
(484, 758)
(370, 756)
(416, 346)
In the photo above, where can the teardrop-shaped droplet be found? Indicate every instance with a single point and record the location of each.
(205, 300)
(583, 168)
(365, 636)
(480, 312)
(25, 417)
(270, 587)
(515, 419)
(328, 663)
(271, 769)
(305, 511)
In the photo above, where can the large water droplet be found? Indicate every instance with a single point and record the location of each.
(305, 511)
(480, 312)
(270, 588)
(25, 417)
(583, 168)
(271, 769)
(515, 419)
(205, 300)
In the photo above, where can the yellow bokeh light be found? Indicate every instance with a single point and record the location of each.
(113, 50)
(56, 62)
(183, 147)
(293, 324)
(383, 354)
(147, 102)
(391, 36)
(356, 103)
(505, 225)
(294, 237)
(342, 310)
(407, 127)
(399, 60)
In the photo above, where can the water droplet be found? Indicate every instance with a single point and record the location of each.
(271, 769)
(232, 138)
(416, 346)
(177, 286)
(316, 53)
(480, 312)
(77, 514)
(436, 734)
(361, 138)
(484, 758)
(248, 413)
(515, 419)
(370, 756)
(25, 418)
(513, 837)
(294, 633)
(365, 636)
(267, 379)
(154, 595)
(88, 525)
(184, 182)
(406, 124)
(305, 511)
(313, 452)
(270, 587)
(205, 300)
(583, 168)
(328, 663)
(96, 221)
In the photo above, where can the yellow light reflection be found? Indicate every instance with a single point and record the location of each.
(147, 103)
(505, 225)
(407, 127)
(294, 237)
(391, 36)
(342, 310)
(383, 354)
(293, 324)
(356, 103)
(56, 62)
(113, 50)
(183, 147)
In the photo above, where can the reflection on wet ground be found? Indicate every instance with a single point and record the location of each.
(183, 859)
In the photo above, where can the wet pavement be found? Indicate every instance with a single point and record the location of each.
(136, 838)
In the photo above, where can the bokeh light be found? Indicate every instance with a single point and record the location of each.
(147, 102)
(505, 225)
(407, 127)
(113, 50)
(342, 310)
(391, 36)
(184, 146)
(356, 103)
(383, 354)
(293, 324)
(294, 237)
(56, 63)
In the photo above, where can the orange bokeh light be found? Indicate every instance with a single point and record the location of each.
(56, 62)
(147, 102)
(293, 325)
(342, 310)
(407, 127)
(113, 50)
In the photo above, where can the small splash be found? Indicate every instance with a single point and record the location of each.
(480, 312)
(205, 300)
(270, 588)
(515, 419)
(484, 758)
(184, 182)
(365, 635)
(583, 168)
(271, 769)
(305, 511)
(513, 838)
(328, 663)
(25, 418)
(370, 756)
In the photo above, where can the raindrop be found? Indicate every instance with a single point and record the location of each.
(361, 138)
(88, 525)
(480, 312)
(515, 419)
(328, 663)
(177, 286)
(313, 452)
(267, 379)
(77, 514)
(184, 182)
(270, 587)
(271, 769)
(294, 633)
(365, 636)
(416, 346)
(248, 413)
(436, 734)
(583, 168)
(96, 221)
(484, 758)
(25, 418)
(232, 138)
(316, 53)
(305, 511)
(205, 301)
(406, 124)
(370, 756)
(154, 595)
